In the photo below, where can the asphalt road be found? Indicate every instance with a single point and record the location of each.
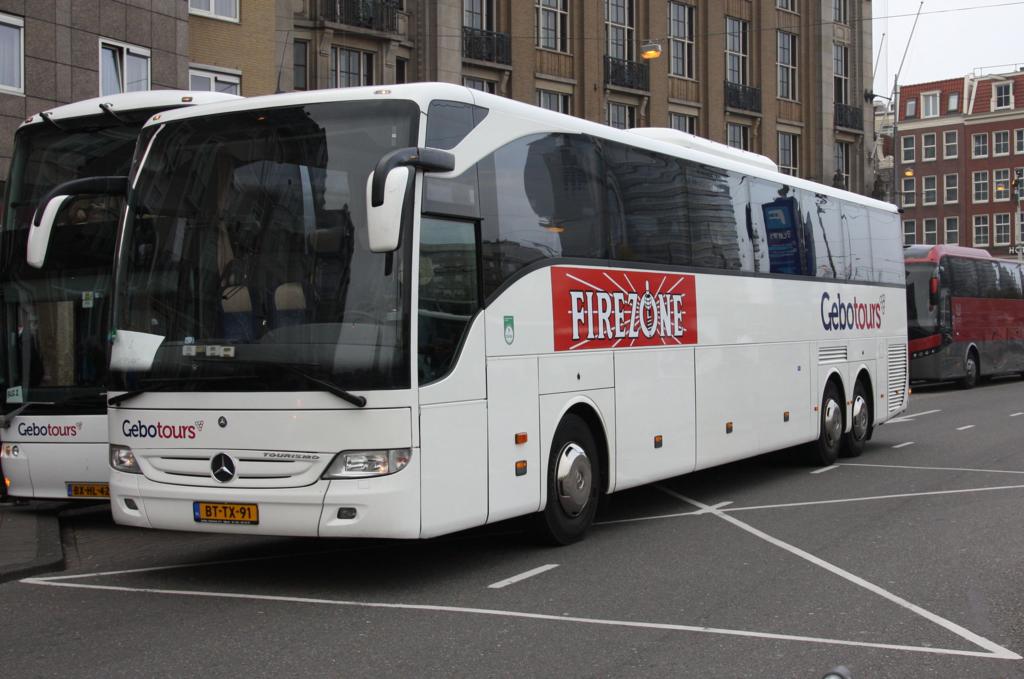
(904, 562)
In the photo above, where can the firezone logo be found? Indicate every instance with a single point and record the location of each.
(141, 430)
(33, 429)
(855, 315)
(608, 308)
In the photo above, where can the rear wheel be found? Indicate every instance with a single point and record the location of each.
(825, 450)
(574, 482)
(970, 378)
(860, 423)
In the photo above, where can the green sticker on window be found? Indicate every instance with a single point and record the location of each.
(510, 329)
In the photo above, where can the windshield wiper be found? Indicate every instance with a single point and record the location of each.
(330, 387)
(168, 381)
(7, 418)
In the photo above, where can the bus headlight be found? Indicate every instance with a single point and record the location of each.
(123, 459)
(9, 450)
(351, 464)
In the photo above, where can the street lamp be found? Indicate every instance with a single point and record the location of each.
(650, 50)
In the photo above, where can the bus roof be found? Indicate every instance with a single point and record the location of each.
(932, 253)
(540, 119)
(131, 101)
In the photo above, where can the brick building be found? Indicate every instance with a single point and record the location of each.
(961, 143)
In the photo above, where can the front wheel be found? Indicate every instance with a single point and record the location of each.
(970, 378)
(825, 450)
(860, 424)
(574, 483)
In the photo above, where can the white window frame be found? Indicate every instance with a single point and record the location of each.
(840, 73)
(911, 232)
(792, 168)
(953, 103)
(786, 5)
(979, 179)
(212, 12)
(1002, 176)
(684, 45)
(628, 110)
(844, 162)
(930, 111)
(933, 146)
(1018, 141)
(562, 100)
(975, 138)
(996, 87)
(744, 135)
(365, 76)
(560, 10)
(933, 231)
(741, 53)
(215, 76)
(955, 223)
(1019, 174)
(684, 122)
(908, 154)
(911, 108)
(951, 186)
(18, 23)
(995, 143)
(841, 11)
(628, 30)
(946, 144)
(934, 190)
(1007, 222)
(981, 221)
(480, 84)
(789, 69)
(908, 196)
(124, 49)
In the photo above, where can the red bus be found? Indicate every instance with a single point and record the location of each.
(965, 314)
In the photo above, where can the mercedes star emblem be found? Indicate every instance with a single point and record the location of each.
(223, 467)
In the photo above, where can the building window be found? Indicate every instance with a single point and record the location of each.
(911, 107)
(1001, 185)
(952, 230)
(680, 39)
(950, 145)
(351, 68)
(841, 77)
(952, 188)
(12, 54)
(909, 145)
(737, 44)
(981, 229)
(909, 193)
(738, 136)
(1002, 229)
(787, 66)
(1004, 96)
(476, 14)
(789, 153)
(621, 116)
(553, 101)
(216, 9)
(954, 103)
(842, 153)
(929, 190)
(618, 26)
(1001, 143)
(930, 105)
(214, 81)
(123, 68)
(840, 11)
(788, 5)
(401, 70)
(980, 194)
(300, 64)
(683, 122)
(489, 86)
(979, 145)
(553, 25)
(909, 232)
(1018, 175)
(931, 231)
(928, 149)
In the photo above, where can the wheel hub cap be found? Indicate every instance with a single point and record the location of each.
(573, 478)
(860, 418)
(833, 423)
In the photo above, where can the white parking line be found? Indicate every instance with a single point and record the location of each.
(966, 426)
(1006, 655)
(993, 648)
(1016, 414)
(522, 576)
(785, 505)
(911, 416)
(940, 469)
(903, 445)
(825, 469)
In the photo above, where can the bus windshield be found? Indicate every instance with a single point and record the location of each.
(55, 319)
(244, 256)
(922, 318)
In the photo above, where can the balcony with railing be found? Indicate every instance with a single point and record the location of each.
(850, 117)
(635, 75)
(373, 15)
(486, 45)
(742, 97)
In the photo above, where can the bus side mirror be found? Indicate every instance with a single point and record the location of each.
(387, 187)
(49, 207)
(933, 291)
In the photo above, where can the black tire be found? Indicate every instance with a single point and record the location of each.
(970, 378)
(568, 515)
(825, 450)
(861, 420)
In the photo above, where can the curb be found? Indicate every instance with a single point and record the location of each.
(49, 550)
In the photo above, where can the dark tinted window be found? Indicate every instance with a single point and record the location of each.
(448, 122)
(780, 239)
(1009, 280)
(965, 277)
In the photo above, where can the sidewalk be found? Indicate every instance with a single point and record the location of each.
(30, 539)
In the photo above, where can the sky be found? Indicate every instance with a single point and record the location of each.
(947, 44)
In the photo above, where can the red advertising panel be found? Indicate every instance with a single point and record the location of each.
(609, 308)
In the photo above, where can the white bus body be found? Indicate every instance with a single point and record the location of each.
(57, 446)
(535, 361)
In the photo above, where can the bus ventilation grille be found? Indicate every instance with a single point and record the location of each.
(897, 377)
(832, 354)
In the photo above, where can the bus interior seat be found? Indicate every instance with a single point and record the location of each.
(236, 313)
(289, 305)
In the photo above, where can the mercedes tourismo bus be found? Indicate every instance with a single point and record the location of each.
(404, 311)
(54, 320)
(965, 313)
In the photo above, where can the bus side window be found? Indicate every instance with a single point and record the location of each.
(887, 255)
(825, 220)
(858, 237)
(449, 292)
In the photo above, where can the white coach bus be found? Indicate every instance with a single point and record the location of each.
(54, 319)
(404, 311)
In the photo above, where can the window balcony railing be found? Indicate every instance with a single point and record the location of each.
(486, 45)
(624, 73)
(850, 117)
(742, 97)
(375, 15)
